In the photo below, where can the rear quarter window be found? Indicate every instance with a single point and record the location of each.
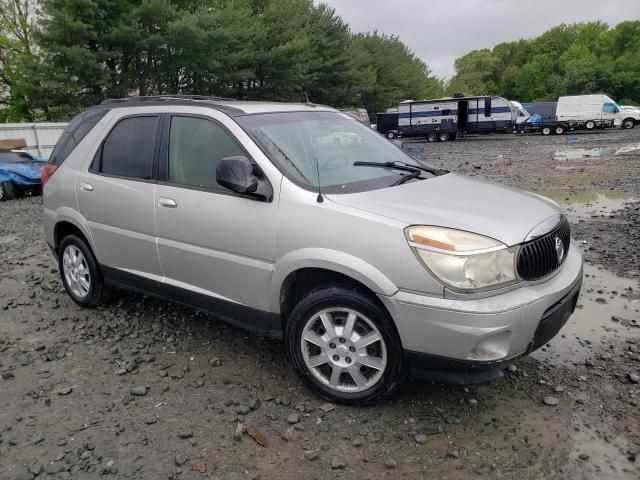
(77, 129)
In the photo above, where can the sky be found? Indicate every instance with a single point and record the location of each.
(440, 32)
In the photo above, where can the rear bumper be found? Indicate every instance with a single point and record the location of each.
(468, 338)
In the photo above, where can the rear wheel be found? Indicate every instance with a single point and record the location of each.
(344, 345)
(590, 125)
(546, 130)
(443, 136)
(628, 123)
(7, 191)
(559, 130)
(80, 273)
(432, 137)
(391, 134)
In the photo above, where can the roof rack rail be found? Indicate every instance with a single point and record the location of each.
(156, 98)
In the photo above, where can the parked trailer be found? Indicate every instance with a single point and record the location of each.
(387, 123)
(589, 110)
(446, 118)
(40, 137)
(581, 112)
(546, 110)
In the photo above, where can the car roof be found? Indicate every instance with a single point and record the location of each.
(230, 106)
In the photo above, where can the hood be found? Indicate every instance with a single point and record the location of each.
(455, 201)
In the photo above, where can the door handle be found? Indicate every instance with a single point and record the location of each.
(167, 202)
(86, 187)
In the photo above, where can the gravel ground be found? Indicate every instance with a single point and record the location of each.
(146, 389)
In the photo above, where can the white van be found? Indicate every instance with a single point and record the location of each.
(523, 114)
(589, 110)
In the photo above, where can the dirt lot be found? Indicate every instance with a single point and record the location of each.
(145, 389)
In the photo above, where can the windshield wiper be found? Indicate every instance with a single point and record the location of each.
(401, 166)
(407, 177)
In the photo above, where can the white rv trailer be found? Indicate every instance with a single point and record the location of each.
(447, 118)
(589, 110)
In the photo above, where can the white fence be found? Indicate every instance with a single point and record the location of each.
(40, 137)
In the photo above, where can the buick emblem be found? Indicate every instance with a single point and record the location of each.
(559, 249)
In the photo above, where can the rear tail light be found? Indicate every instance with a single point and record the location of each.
(47, 172)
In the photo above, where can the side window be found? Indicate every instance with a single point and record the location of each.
(128, 149)
(487, 107)
(196, 146)
(609, 108)
(74, 133)
(63, 148)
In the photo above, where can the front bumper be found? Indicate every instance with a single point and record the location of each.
(474, 338)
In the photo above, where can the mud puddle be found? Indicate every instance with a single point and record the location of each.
(606, 310)
(585, 153)
(590, 204)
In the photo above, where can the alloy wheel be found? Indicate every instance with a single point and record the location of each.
(344, 350)
(76, 271)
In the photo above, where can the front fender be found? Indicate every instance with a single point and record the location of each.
(328, 259)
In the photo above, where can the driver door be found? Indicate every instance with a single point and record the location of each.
(211, 241)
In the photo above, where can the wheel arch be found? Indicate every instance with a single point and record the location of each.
(66, 225)
(304, 269)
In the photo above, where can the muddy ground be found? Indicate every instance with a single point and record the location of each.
(148, 390)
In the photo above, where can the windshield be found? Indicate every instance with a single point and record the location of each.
(308, 145)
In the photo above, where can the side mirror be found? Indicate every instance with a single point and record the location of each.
(238, 174)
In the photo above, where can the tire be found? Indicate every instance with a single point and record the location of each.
(91, 292)
(546, 130)
(432, 137)
(391, 134)
(338, 305)
(443, 136)
(559, 130)
(590, 125)
(7, 191)
(628, 123)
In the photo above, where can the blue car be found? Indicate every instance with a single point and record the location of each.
(20, 174)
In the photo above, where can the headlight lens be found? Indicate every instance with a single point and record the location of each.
(463, 261)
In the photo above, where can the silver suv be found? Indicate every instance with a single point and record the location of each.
(298, 222)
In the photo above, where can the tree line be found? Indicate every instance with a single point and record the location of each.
(60, 56)
(576, 59)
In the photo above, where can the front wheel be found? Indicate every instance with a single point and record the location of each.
(391, 134)
(628, 123)
(344, 345)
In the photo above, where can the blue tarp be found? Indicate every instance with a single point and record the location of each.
(535, 118)
(24, 173)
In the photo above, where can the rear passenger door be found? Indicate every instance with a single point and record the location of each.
(116, 196)
(211, 241)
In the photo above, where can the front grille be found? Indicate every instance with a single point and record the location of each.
(539, 258)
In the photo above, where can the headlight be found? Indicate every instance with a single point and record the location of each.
(463, 261)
